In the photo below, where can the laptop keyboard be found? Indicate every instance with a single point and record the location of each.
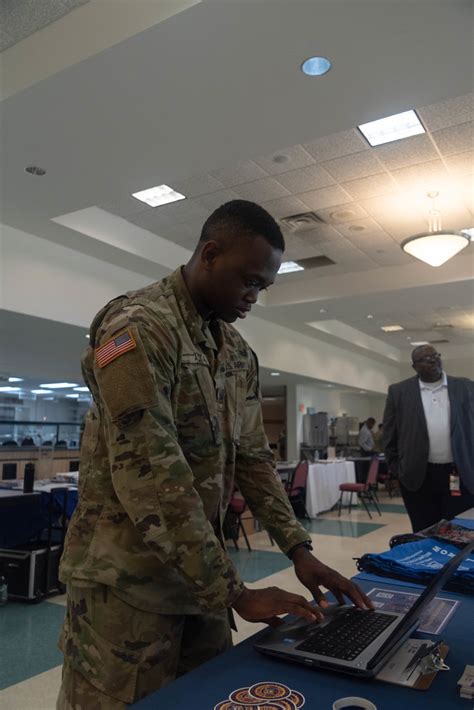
(348, 634)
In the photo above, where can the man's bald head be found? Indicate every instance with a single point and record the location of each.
(426, 361)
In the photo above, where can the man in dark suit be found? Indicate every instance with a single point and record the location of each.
(429, 440)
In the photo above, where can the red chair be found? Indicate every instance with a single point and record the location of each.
(237, 507)
(297, 489)
(365, 491)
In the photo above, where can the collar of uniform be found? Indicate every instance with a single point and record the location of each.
(442, 383)
(195, 323)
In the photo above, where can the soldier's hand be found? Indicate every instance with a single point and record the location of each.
(265, 604)
(313, 573)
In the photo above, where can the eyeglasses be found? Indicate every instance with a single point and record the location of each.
(428, 358)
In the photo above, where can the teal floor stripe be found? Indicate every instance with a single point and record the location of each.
(341, 528)
(28, 640)
(257, 564)
(392, 508)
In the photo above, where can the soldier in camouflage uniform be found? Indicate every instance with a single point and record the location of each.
(176, 423)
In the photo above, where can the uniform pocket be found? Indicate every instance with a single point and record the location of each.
(197, 384)
(109, 667)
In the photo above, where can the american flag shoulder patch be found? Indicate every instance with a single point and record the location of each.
(114, 347)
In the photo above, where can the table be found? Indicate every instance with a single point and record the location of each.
(13, 498)
(322, 487)
(242, 666)
(25, 515)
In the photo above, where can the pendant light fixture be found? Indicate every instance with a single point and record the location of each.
(438, 245)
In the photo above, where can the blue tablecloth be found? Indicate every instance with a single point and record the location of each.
(242, 666)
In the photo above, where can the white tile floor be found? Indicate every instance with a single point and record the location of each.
(40, 691)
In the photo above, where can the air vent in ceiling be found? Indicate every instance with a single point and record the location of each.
(313, 262)
(440, 326)
(301, 222)
(439, 342)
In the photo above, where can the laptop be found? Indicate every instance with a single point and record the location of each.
(351, 640)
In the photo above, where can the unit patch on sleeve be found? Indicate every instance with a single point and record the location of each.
(113, 348)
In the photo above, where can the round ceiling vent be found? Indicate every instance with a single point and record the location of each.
(35, 170)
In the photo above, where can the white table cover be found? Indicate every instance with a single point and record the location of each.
(322, 488)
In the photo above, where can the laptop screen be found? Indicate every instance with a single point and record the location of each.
(437, 583)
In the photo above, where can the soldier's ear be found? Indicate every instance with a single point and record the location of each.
(209, 253)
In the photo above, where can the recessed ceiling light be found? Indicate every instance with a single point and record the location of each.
(370, 316)
(420, 342)
(316, 66)
(329, 385)
(9, 389)
(59, 385)
(81, 389)
(88, 337)
(392, 328)
(470, 232)
(41, 391)
(275, 374)
(158, 195)
(322, 310)
(72, 396)
(288, 267)
(392, 128)
(35, 170)
(15, 379)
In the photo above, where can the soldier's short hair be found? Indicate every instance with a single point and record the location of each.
(246, 218)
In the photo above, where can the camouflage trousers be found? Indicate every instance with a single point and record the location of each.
(115, 654)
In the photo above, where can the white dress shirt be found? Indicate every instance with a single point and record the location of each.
(435, 399)
(366, 439)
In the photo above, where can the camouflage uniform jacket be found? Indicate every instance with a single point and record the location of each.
(176, 422)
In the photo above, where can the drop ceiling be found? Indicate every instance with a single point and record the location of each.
(181, 103)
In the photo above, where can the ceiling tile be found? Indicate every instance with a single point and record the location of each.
(447, 113)
(181, 233)
(310, 178)
(409, 151)
(199, 185)
(326, 197)
(350, 212)
(354, 166)
(396, 215)
(262, 190)
(285, 206)
(370, 186)
(422, 178)
(287, 159)
(125, 206)
(214, 200)
(456, 139)
(322, 235)
(336, 145)
(461, 163)
(364, 231)
(157, 219)
(244, 171)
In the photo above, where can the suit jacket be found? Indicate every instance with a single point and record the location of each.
(406, 441)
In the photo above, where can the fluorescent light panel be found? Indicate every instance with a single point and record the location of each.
(72, 396)
(392, 328)
(392, 128)
(419, 342)
(15, 379)
(288, 267)
(41, 391)
(81, 389)
(275, 374)
(158, 195)
(9, 389)
(59, 385)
